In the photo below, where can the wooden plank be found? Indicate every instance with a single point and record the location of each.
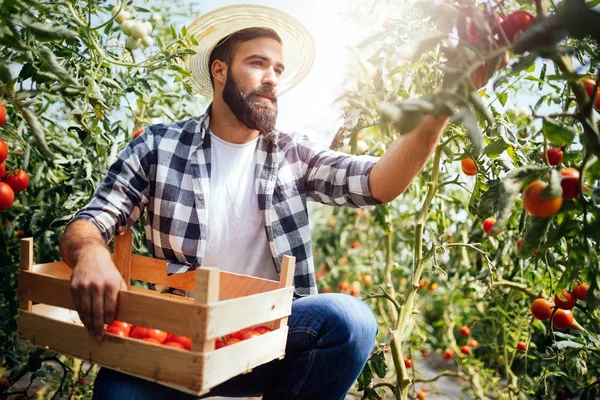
(26, 263)
(122, 255)
(232, 285)
(58, 269)
(286, 279)
(231, 315)
(171, 314)
(168, 366)
(230, 361)
(207, 292)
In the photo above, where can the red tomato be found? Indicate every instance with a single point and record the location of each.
(151, 340)
(184, 341)
(158, 335)
(473, 343)
(114, 330)
(565, 300)
(570, 183)
(521, 346)
(541, 309)
(175, 344)
(421, 395)
(468, 166)
(138, 332)
(580, 291)
(537, 205)
(18, 181)
(2, 169)
(425, 352)
(554, 155)
(3, 150)
(344, 286)
(355, 244)
(589, 88)
(232, 341)
(408, 363)
(7, 196)
(246, 334)
(488, 224)
(563, 319)
(465, 331)
(2, 114)
(515, 24)
(124, 326)
(448, 354)
(263, 329)
(433, 287)
(466, 350)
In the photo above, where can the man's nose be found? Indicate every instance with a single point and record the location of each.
(270, 78)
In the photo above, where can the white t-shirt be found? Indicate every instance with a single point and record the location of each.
(237, 241)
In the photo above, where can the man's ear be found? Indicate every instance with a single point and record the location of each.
(219, 71)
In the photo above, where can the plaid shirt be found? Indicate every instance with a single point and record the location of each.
(166, 173)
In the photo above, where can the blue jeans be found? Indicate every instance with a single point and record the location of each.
(330, 339)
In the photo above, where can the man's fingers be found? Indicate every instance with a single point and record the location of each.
(97, 312)
(110, 304)
(85, 312)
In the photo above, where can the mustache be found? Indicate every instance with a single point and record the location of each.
(264, 91)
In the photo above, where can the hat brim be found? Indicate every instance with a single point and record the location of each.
(212, 27)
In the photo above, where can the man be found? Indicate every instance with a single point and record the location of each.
(227, 189)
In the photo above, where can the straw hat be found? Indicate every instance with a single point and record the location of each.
(211, 28)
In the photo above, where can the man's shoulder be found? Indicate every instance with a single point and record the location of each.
(181, 130)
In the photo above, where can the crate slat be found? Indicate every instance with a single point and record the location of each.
(232, 285)
(171, 367)
(231, 315)
(136, 307)
(221, 365)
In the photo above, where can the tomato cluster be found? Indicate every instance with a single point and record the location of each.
(156, 336)
(13, 180)
(564, 302)
(138, 32)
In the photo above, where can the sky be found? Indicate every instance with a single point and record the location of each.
(310, 107)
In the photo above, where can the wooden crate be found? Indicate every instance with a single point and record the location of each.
(224, 303)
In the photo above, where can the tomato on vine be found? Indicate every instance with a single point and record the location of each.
(554, 155)
(580, 291)
(565, 300)
(537, 205)
(563, 319)
(465, 331)
(3, 150)
(2, 114)
(515, 24)
(570, 183)
(541, 309)
(521, 346)
(468, 166)
(7, 196)
(17, 180)
(488, 224)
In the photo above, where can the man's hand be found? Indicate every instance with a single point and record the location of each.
(95, 285)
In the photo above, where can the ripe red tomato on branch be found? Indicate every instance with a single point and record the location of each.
(565, 300)
(570, 183)
(7, 196)
(541, 309)
(537, 205)
(515, 24)
(554, 155)
(3, 150)
(580, 291)
(563, 319)
(17, 180)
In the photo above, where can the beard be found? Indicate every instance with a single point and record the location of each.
(249, 109)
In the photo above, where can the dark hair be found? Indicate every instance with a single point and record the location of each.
(225, 49)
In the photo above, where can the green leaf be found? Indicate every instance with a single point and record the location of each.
(469, 121)
(379, 365)
(47, 33)
(536, 232)
(365, 378)
(36, 129)
(576, 365)
(51, 62)
(495, 149)
(564, 344)
(554, 188)
(5, 75)
(480, 106)
(558, 134)
(502, 97)
(488, 201)
(417, 45)
(510, 189)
